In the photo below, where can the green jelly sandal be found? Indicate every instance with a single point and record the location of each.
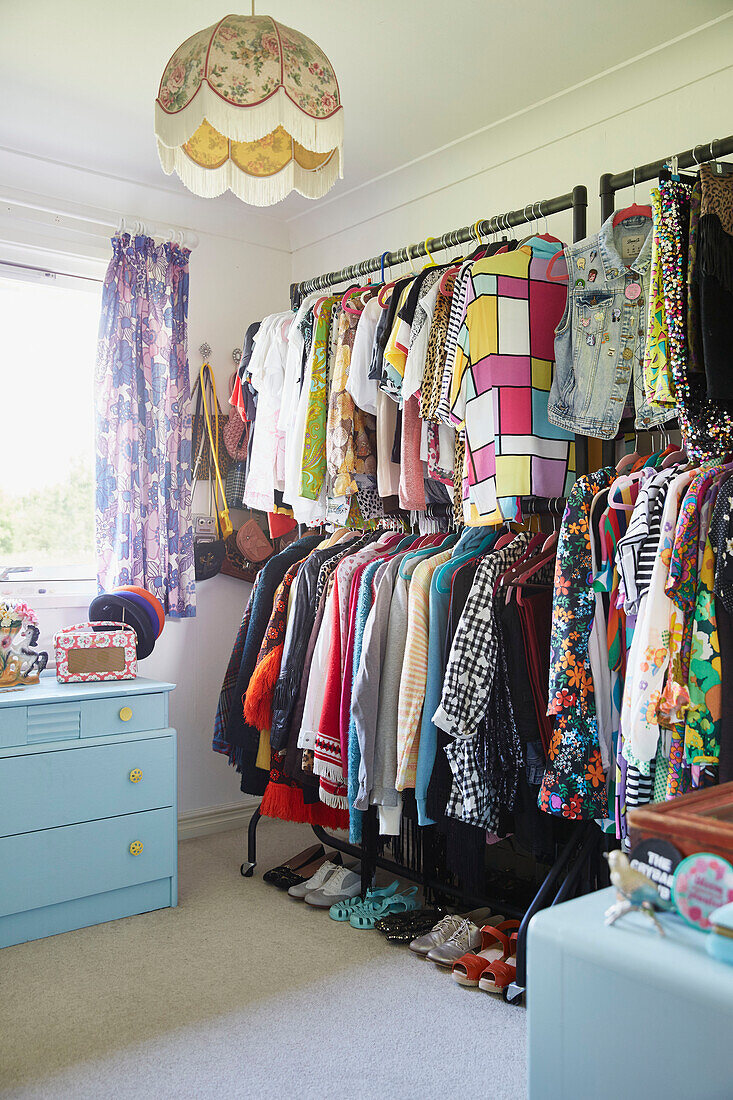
(342, 910)
(367, 915)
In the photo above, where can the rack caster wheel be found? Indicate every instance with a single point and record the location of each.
(247, 870)
(513, 994)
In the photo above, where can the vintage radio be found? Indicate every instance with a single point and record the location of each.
(95, 651)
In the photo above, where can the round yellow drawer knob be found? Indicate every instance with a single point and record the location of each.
(135, 775)
(136, 847)
(126, 714)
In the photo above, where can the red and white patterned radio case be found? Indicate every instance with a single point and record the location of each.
(95, 651)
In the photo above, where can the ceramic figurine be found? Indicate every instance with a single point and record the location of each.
(20, 663)
(634, 891)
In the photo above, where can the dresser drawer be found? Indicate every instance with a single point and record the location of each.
(57, 865)
(46, 789)
(123, 714)
(93, 717)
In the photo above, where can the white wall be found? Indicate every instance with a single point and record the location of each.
(238, 272)
(665, 102)
(668, 101)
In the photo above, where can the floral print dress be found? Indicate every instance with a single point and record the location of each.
(574, 784)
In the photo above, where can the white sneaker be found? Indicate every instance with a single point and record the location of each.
(315, 882)
(340, 886)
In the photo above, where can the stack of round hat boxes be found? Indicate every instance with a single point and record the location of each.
(136, 607)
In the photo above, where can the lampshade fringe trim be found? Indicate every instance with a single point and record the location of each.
(254, 190)
(318, 135)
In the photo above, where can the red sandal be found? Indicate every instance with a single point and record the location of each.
(495, 946)
(498, 975)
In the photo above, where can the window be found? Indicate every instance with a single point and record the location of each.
(48, 327)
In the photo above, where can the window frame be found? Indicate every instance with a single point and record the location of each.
(51, 267)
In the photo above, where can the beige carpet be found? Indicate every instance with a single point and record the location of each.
(241, 992)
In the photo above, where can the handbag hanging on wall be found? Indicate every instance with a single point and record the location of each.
(201, 447)
(235, 483)
(235, 434)
(226, 527)
(237, 554)
(210, 552)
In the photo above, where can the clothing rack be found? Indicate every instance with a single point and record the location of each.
(611, 182)
(578, 857)
(575, 200)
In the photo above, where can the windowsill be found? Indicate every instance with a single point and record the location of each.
(78, 593)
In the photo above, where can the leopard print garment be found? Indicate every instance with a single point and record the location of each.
(458, 480)
(435, 356)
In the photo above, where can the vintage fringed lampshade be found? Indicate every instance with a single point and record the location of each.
(251, 106)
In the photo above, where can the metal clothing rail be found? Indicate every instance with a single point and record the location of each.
(565, 872)
(611, 182)
(575, 200)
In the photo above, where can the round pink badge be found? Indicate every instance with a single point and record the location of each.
(702, 883)
(632, 292)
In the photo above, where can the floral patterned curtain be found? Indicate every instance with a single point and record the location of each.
(143, 425)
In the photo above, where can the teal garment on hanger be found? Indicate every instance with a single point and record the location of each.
(463, 552)
(476, 543)
(543, 249)
(427, 552)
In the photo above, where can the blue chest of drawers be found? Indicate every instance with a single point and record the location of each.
(88, 823)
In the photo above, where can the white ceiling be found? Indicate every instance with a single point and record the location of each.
(78, 78)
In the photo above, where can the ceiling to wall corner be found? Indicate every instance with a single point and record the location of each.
(79, 79)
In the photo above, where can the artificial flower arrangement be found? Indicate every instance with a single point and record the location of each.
(20, 663)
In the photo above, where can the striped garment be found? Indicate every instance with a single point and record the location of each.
(413, 681)
(501, 381)
(457, 312)
(637, 549)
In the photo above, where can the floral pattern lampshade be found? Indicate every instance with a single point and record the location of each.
(253, 106)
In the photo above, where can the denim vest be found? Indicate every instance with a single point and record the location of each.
(600, 341)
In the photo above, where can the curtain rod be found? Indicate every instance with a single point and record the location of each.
(153, 229)
(710, 150)
(50, 271)
(575, 200)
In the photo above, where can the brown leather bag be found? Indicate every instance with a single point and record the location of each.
(253, 543)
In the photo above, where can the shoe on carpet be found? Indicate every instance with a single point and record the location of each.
(342, 910)
(282, 876)
(405, 927)
(367, 914)
(471, 968)
(466, 937)
(317, 880)
(439, 933)
(340, 886)
(502, 972)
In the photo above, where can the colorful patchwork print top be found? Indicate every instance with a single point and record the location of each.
(501, 380)
(574, 784)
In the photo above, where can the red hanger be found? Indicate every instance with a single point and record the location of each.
(633, 211)
(555, 278)
(380, 297)
(451, 271)
(349, 294)
(317, 307)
